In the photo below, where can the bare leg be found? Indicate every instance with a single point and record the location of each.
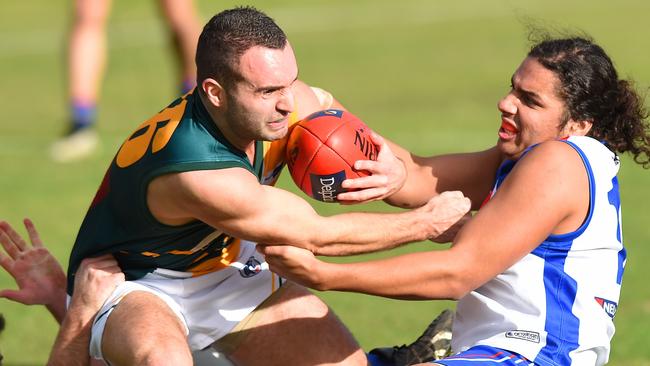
(296, 328)
(87, 49)
(142, 330)
(184, 25)
(86, 63)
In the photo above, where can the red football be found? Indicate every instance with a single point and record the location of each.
(322, 149)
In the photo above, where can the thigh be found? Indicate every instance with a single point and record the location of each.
(293, 327)
(142, 329)
(484, 355)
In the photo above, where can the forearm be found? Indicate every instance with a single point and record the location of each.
(358, 233)
(416, 276)
(280, 217)
(72, 342)
(471, 173)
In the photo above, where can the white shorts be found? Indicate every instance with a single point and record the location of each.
(209, 306)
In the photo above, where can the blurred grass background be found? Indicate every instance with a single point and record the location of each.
(426, 74)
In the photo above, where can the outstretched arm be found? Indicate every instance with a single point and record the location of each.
(547, 192)
(95, 281)
(40, 278)
(405, 180)
(233, 201)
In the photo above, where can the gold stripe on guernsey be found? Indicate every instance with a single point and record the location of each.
(272, 282)
(228, 255)
(274, 154)
(201, 245)
(199, 257)
(150, 254)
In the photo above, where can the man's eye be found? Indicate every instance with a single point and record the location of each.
(530, 101)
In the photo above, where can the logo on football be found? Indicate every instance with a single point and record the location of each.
(326, 187)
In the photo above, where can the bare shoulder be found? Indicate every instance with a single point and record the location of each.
(551, 172)
(556, 156)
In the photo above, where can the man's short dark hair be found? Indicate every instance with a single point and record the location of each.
(228, 35)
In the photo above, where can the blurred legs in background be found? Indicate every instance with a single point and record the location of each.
(87, 52)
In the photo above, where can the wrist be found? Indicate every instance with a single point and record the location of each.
(57, 307)
(327, 274)
(82, 311)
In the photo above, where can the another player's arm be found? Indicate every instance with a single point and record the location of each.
(471, 173)
(233, 201)
(417, 179)
(547, 192)
(95, 280)
(37, 273)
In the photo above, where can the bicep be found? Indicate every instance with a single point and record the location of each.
(235, 202)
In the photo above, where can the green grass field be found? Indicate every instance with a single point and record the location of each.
(425, 73)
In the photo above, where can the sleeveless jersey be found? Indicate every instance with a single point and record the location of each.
(182, 137)
(556, 305)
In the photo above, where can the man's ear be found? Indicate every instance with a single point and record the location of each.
(214, 92)
(577, 128)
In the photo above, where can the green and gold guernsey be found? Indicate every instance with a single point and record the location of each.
(181, 137)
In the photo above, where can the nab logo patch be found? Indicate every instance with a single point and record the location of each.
(610, 307)
(251, 268)
(325, 187)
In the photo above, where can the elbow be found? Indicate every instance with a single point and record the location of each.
(458, 288)
(462, 281)
(454, 286)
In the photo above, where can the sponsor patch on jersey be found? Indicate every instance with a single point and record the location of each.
(610, 307)
(326, 187)
(251, 268)
(524, 335)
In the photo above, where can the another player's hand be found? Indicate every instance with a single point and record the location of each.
(37, 273)
(388, 175)
(94, 281)
(449, 212)
(295, 264)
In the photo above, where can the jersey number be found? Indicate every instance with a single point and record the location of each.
(156, 131)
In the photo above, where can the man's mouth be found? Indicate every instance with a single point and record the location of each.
(507, 130)
(278, 124)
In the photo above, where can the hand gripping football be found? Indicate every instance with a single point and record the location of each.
(322, 149)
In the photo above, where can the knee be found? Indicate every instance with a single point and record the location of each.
(300, 302)
(91, 14)
(155, 352)
(163, 355)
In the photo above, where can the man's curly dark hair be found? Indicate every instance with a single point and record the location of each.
(592, 91)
